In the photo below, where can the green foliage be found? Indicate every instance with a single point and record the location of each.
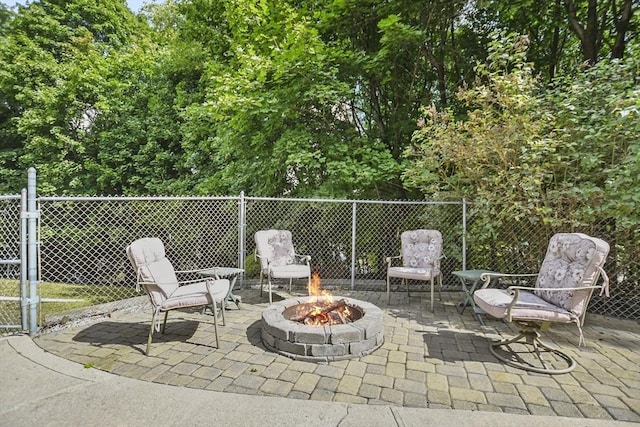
(58, 73)
(305, 98)
(597, 122)
(565, 156)
(276, 118)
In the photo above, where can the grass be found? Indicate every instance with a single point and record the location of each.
(87, 295)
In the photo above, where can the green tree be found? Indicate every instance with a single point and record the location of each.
(276, 117)
(561, 156)
(597, 124)
(564, 33)
(60, 68)
(598, 23)
(398, 56)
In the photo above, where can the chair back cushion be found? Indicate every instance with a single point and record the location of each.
(422, 249)
(572, 260)
(275, 247)
(153, 268)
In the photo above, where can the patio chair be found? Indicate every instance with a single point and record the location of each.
(567, 278)
(156, 275)
(421, 251)
(278, 258)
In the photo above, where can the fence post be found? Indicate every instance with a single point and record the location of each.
(242, 225)
(354, 230)
(464, 233)
(32, 251)
(23, 259)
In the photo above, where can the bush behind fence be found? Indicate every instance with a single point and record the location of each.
(82, 241)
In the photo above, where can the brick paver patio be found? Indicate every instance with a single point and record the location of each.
(428, 360)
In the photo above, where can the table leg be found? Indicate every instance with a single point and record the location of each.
(476, 310)
(236, 299)
(469, 302)
(467, 299)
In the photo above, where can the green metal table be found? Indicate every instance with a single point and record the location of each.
(221, 272)
(470, 279)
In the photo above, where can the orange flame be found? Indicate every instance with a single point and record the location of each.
(314, 315)
(316, 290)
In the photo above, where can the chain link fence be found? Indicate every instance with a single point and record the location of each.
(82, 243)
(9, 255)
(349, 240)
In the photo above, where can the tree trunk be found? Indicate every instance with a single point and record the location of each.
(588, 35)
(555, 42)
(622, 25)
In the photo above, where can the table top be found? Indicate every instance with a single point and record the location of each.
(221, 271)
(471, 274)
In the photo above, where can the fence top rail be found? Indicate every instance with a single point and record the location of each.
(280, 199)
(10, 197)
(381, 202)
(130, 198)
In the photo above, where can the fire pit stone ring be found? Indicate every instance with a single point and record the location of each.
(321, 342)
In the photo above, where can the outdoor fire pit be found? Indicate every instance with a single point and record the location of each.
(322, 328)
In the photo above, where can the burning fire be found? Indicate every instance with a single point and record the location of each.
(324, 311)
(316, 290)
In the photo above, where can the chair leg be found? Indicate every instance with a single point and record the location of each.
(290, 280)
(432, 294)
(153, 321)
(261, 283)
(164, 323)
(215, 321)
(270, 297)
(388, 297)
(406, 283)
(224, 321)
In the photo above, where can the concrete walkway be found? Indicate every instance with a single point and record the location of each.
(433, 368)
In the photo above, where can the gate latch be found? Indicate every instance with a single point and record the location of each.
(30, 215)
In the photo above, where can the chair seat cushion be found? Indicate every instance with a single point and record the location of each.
(529, 306)
(195, 294)
(410, 273)
(291, 271)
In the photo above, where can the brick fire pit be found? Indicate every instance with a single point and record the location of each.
(324, 342)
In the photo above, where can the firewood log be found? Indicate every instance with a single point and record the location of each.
(326, 309)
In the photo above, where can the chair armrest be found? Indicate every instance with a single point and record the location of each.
(138, 283)
(487, 277)
(516, 294)
(528, 288)
(305, 258)
(208, 284)
(389, 259)
(197, 270)
(258, 258)
(180, 283)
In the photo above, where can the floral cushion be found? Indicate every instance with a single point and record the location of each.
(422, 249)
(276, 247)
(572, 260)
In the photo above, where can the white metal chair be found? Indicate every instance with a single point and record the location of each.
(421, 251)
(278, 258)
(567, 278)
(156, 275)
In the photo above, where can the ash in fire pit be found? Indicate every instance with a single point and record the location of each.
(317, 328)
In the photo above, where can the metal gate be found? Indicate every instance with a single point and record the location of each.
(19, 297)
(11, 316)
